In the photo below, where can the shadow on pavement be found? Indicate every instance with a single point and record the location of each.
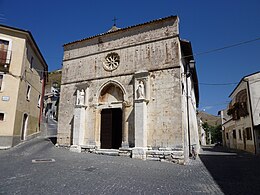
(52, 139)
(235, 172)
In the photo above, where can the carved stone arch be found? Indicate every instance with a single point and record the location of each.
(112, 90)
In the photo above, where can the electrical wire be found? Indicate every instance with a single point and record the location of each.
(218, 84)
(223, 48)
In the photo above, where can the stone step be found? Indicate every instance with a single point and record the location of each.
(110, 152)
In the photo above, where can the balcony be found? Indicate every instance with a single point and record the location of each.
(238, 110)
(5, 59)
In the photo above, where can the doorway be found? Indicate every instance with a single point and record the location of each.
(111, 128)
(24, 126)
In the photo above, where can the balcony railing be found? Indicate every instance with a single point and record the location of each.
(5, 57)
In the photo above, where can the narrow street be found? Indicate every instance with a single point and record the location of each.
(236, 172)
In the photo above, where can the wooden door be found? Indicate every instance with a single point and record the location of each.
(106, 129)
(111, 128)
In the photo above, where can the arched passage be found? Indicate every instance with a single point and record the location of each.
(111, 97)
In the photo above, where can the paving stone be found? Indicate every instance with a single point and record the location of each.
(86, 173)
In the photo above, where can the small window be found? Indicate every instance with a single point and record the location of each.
(234, 134)
(2, 116)
(248, 133)
(28, 92)
(227, 135)
(31, 63)
(240, 134)
(1, 81)
(39, 101)
(3, 51)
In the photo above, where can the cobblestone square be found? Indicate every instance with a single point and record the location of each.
(84, 173)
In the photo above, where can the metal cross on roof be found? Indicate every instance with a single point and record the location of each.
(114, 20)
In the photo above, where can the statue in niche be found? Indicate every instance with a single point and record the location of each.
(140, 90)
(81, 97)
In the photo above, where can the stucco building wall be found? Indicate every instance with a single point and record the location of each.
(17, 76)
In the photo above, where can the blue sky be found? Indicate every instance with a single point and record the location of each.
(207, 24)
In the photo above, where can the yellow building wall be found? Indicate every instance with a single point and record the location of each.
(10, 83)
(32, 77)
(15, 82)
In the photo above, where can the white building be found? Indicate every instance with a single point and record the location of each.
(241, 120)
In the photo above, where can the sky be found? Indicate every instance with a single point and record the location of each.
(209, 25)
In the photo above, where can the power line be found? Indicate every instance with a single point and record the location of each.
(218, 84)
(215, 104)
(223, 48)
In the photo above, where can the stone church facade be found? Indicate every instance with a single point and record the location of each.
(133, 91)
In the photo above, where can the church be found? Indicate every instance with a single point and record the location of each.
(131, 91)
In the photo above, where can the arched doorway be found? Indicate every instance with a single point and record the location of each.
(111, 98)
(24, 126)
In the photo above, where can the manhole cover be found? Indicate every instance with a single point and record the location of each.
(43, 160)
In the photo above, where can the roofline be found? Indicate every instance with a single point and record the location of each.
(243, 79)
(121, 29)
(30, 37)
(194, 75)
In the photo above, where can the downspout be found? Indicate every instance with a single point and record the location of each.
(249, 97)
(188, 109)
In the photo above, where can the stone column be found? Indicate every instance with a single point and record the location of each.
(141, 88)
(97, 128)
(79, 119)
(78, 128)
(125, 113)
(139, 151)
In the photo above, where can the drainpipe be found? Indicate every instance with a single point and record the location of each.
(250, 106)
(188, 74)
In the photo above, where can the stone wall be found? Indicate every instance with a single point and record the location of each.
(153, 48)
(148, 53)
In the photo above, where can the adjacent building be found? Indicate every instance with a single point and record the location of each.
(52, 95)
(22, 80)
(134, 90)
(209, 120)
(241, 119)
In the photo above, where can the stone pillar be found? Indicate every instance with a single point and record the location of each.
(79, 119)
(97, 128)
(125, 110)
(141, 88)
(78, 128)
(140, 129)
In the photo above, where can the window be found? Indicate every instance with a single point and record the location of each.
(234, 134)
(28, 92)
(3, 51)
(227, 135)
(39, 101)
(248, 133)
(1, 81)
(31, 63)
(2, 116)
(240, 135)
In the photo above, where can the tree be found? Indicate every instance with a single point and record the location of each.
(213, 133)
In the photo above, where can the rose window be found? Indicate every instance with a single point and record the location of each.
(111, 61)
